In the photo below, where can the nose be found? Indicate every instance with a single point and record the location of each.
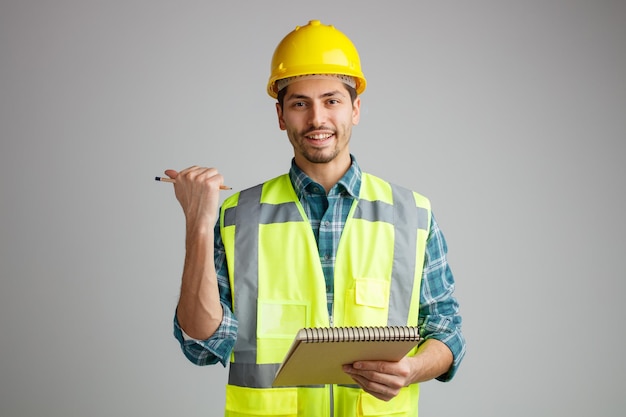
(317, 114)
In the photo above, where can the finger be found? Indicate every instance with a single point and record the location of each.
(378, 374)
(373, 369)
(378, 366)
(395, 369)
(382, 392)
(374, 377)
(171, 173)
(197, 173)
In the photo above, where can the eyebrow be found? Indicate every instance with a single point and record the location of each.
(332, 93)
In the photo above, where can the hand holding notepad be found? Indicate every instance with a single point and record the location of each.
(316, 355)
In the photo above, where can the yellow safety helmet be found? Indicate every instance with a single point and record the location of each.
(315, 49)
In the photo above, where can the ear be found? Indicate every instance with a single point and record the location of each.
(356, 111)
(279, 113)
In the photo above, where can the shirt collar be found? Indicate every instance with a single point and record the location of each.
(350, 183)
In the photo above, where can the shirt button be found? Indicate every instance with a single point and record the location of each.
(327, 223)
(326, 256)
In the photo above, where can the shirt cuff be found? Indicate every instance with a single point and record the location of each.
(455, 341)
(216, 348)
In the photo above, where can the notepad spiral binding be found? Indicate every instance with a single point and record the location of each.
(362, 334)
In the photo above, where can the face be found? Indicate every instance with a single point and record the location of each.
(318, 116)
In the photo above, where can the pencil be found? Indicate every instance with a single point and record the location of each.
(164, 179)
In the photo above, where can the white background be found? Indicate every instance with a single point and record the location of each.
(509, 115)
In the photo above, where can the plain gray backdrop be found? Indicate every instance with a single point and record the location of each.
(509, 115)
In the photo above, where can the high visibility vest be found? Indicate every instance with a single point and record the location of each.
(278, 288)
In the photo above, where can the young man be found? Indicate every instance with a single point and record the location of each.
(324, 245)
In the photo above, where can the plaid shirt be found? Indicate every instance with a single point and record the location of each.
(439, 311)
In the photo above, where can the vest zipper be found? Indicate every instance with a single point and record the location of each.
(330, 386)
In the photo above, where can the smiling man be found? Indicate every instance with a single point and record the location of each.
(325, 244)
(318, 114)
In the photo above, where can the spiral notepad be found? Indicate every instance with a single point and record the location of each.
(316, 355)
(363, 334)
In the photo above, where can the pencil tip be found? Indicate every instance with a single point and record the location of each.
(157, 178)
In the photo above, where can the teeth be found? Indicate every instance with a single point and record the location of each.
(320, 136)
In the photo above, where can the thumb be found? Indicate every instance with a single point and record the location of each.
(171, 173)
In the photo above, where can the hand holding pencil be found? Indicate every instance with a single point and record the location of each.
(173, 175)
(197, 191)
(173, 181)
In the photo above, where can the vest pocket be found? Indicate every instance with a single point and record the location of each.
(242, 401)
(367, 303)
(398, 406)
(372, 292)
(277, 324)
(281, 319)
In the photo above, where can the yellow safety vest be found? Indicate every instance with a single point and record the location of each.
(278, 288)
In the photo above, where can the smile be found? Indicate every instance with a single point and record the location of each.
(320, 136)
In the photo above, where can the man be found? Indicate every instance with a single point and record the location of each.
(324, 245)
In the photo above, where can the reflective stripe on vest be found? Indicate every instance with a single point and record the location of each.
(249, 213)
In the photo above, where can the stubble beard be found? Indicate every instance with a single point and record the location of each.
(319, 156)
(314, 155)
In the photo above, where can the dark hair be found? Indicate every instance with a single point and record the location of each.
(281, 94)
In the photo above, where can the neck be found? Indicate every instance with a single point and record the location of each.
(326, 174)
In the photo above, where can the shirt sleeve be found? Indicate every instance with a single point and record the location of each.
(219, 346)
(439, 316)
